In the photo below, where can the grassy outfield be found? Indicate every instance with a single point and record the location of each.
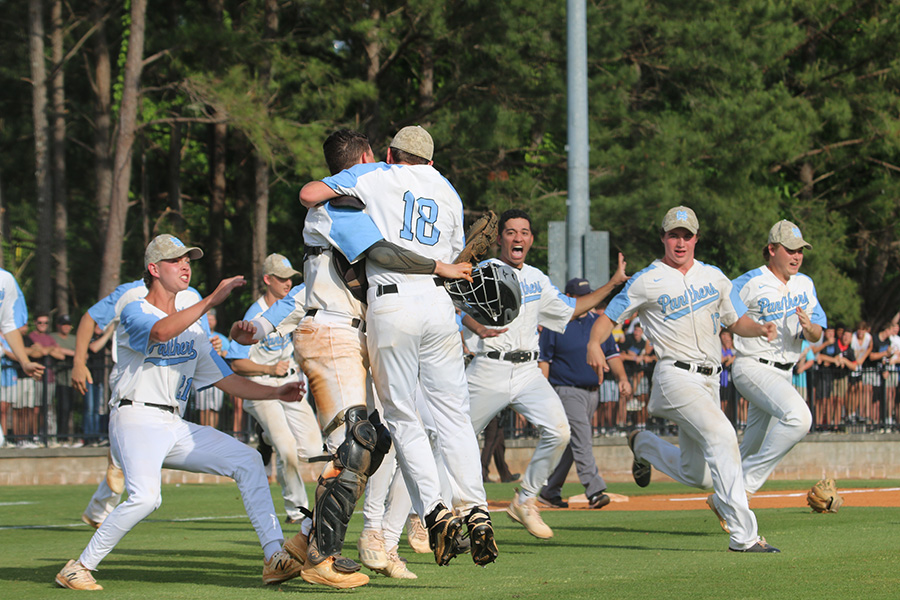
(200, 545)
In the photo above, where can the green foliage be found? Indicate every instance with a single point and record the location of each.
(747, 112)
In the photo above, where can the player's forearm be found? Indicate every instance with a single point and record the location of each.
(813, 333)
(171, 326)
(747, 327)
(391, 257)
(235, 385)
(589, 301)
(83, 338)
(14, 339)
(315, 193)
(248, 368)
(600, 331)
(617, 368)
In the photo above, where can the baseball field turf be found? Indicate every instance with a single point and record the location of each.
(200, 545)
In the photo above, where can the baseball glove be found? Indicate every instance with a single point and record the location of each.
(823, 497)
(479, 237)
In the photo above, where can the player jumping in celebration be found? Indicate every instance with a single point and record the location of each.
(778, 417)
(162, 353)
(682, 304)
(412, 334)
(505, 369)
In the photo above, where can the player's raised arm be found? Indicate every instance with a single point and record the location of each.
(316, 192)
(170, 326)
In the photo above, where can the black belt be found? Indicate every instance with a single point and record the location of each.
(391, 288)
(777, 365)
(588, 388)
(782, 366)
(698, 368)
(314, 251)
(164, 407)
(513, 357)
(354, 322)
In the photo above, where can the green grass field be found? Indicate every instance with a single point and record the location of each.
(200, 545)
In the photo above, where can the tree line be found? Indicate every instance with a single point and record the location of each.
(203, 118)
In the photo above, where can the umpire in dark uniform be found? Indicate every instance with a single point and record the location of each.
(563, 359)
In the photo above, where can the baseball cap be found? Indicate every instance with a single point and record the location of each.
(788, 235)
(680, 216)
(278, 265)
(415, 141)
(64, 320)
(578, 287)
(165, 247)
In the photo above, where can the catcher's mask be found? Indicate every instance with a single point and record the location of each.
(493, 298)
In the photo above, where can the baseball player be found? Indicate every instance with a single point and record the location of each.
(778, 417)
(105, 313)
(290, 428)
(162, 353)
(328, 322)
(682, 304)
(412, 333)
(13, 316)
(505, 369)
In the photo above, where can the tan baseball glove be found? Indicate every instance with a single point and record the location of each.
(479, 238)
(823, 497)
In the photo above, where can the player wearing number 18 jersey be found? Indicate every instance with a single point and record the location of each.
(412, 333)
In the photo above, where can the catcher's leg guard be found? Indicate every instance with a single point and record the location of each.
(481, 536)
(340, 487)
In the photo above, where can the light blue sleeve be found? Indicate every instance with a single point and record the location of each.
(346, 180)
(818, 315)
(352, 231)
(738, 285)
(104, 311)
(137, 324)
(626, 302)
(279, 311)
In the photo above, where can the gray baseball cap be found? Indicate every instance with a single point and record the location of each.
(165, 247)
(415, 141)
(788, 235)
(680, 216)
(278, 265)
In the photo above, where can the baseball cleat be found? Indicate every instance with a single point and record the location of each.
(481, 537)
(115, 478)
(89, 521)
(443, 533)
(711, 503)
(417, 535)
(528, 514)
(372, 553)
(279, 568)
(76, 576)
(598, 500)
(334, 571)
(760, 546)
(297, 547)
(640, 469)
(395, 567)
(556, 502)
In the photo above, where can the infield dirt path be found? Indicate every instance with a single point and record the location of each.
(883, 497)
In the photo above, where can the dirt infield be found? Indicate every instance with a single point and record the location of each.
(882, 497)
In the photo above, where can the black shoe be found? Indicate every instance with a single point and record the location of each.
(556, 502)
(512, 477)
(640, 470)
(481, 537)
(443, 534)
(598, 500)
(760, 546)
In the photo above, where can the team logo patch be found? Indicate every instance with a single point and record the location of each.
(795, 231)
(681, 215)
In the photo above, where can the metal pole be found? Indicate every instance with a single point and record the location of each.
(578, 219)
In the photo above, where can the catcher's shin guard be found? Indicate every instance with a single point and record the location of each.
(341, 486)
(481, 536)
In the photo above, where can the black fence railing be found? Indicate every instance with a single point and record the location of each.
(863, 401)
(50, 412)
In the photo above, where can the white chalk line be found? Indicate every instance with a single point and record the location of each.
(780, 495)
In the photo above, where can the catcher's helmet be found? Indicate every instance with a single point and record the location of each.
(493, 298)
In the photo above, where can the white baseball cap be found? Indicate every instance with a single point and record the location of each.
(165, 247)
(278, 265)
(680, 216)
(788, 235)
